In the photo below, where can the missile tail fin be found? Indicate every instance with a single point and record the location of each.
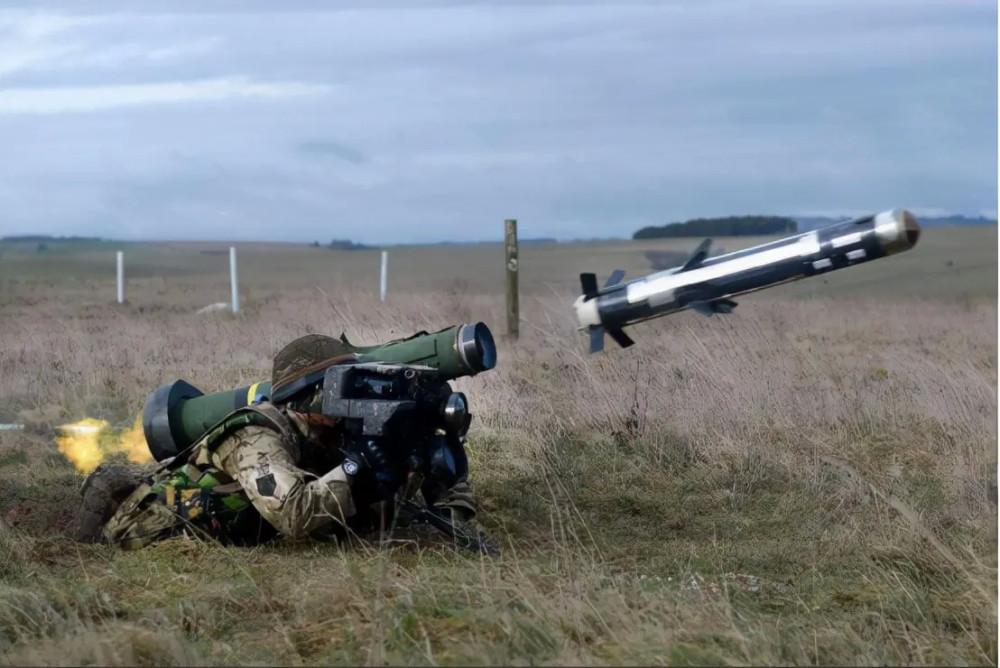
(620, 337)
(615, 278)
(699, 256)
(589, 284)
(712, 307)
(724, 305)
(703, 307)
(596, 339)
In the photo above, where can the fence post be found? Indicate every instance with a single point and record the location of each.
(233, 280)
(510, 243)
(121, 276)
(382, 279)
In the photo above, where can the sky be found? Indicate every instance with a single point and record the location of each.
(402, 122)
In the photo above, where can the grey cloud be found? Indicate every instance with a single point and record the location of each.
(324, 148)
(581, 120)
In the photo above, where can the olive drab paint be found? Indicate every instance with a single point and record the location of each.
(177, 414)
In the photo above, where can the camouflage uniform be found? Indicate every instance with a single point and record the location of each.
(264, 470)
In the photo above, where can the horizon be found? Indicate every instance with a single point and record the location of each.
(42, 236)
(375, 121)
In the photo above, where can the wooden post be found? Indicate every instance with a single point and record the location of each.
(513, 314)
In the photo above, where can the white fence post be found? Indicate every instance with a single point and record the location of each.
(121, 277)
(233, 279)
(382, 282)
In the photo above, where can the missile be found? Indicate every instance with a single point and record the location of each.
(707, 284)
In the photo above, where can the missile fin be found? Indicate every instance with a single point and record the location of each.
(714, 306)
(699, 256)
(596, 339)
(702, 307)
(615, 278)
(589, 284)
(724, 305)
(620, 337)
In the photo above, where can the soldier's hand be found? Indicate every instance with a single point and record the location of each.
(368, 464)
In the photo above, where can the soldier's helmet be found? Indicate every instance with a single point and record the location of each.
(303, 356)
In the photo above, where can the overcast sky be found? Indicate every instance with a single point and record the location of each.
(419, 121)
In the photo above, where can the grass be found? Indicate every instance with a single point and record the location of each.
(948, 263)
(806, 481)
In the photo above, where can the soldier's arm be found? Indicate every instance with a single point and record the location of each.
(292, 500)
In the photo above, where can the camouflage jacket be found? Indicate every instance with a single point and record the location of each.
(191, 492)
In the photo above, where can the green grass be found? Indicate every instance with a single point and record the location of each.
(636, 567)
(807, 481)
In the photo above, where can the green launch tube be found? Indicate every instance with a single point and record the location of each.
(178, 414)
(198, 415)
(463, 350)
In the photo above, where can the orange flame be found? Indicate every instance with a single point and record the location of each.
(89, 442)
(80, 443)
(132, 442)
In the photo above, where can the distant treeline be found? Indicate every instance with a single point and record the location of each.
(46, 237)
(730, 226)
(342, 244)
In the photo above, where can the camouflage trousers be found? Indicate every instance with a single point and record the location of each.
(244, 491)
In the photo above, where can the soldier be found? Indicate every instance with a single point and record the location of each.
(265, 470)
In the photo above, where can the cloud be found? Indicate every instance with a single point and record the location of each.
(25, 40)
(324, 148)
(414, 121)
(98, 98)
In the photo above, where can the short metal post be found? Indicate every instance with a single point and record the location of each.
(233, 279)
(121, 277)
(382, 280)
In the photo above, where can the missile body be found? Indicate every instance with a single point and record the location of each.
(706, 284)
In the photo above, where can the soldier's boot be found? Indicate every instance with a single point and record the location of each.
(101, 494)
(458, 505)
(469, 530)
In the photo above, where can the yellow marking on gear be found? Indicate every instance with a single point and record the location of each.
(170, 494)
(187, 496)
(251, 392)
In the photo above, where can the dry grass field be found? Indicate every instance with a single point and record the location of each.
(811, 480)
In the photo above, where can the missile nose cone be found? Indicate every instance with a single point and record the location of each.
(910, 228)
(897, 230)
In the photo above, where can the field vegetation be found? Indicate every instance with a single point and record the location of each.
(810, 480)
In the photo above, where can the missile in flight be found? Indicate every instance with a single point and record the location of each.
(707, 284)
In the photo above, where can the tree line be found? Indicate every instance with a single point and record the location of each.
(729, 226)
(26, 238)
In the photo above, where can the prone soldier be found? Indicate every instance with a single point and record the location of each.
(266, 470)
